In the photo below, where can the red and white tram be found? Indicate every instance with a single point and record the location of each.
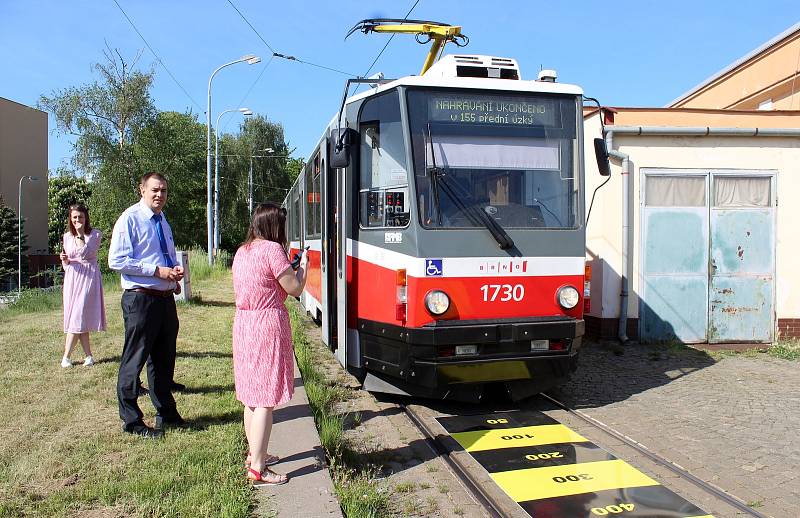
(445, 219)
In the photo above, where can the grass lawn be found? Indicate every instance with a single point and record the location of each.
(360, 492)
(62, 452)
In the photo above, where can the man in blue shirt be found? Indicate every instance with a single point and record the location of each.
(143, 251)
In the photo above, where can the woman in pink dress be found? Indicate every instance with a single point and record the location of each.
(84, 309)
(263, 358)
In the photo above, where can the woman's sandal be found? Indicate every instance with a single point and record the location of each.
(270, 460)
(266, 477)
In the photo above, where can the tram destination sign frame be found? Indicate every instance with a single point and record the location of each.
(493, 109)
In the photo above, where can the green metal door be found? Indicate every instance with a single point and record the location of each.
(708, 256)
(742, 264)
(674, 291)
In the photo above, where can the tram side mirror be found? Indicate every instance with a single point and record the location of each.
(339, 144)
(601, 153)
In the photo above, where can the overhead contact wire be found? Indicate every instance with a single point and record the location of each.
(160, 61)
(285, 56)
(251, 26)
(244, 98)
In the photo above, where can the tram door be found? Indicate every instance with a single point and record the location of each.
(341, 214)
(329, 251)
(335, 280)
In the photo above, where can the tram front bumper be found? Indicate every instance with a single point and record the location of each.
(433, 373)
(504, 351)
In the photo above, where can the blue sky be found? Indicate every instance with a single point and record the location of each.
(625, 53)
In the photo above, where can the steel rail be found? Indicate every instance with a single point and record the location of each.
(658, 459)
(458, 471)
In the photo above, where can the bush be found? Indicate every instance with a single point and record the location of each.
(32, 301)
(9, 248)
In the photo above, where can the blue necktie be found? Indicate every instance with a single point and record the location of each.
(162, 240)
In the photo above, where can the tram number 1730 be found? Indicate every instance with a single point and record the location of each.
(503, 292)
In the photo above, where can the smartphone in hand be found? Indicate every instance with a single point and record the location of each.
(295, 262)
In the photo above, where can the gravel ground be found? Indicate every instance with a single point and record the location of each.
(385, 437)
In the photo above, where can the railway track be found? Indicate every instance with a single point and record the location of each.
(658, 459)
(475, 442)
(459, 470)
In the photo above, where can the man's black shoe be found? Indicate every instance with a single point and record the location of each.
(177, 387)
(173, 422)
(143, 431)
(142, 391)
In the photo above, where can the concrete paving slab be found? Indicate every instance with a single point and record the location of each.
(309, 492)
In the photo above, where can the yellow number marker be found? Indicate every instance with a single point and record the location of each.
(482, 440)
(573, 479)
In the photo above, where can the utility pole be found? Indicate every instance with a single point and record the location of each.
(247, 113)
(250, 176)
(19, 232)
(251, 60)
(250, 186)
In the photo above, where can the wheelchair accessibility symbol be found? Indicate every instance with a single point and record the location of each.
(433, 267)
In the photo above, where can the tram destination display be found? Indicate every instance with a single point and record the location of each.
(493, 110)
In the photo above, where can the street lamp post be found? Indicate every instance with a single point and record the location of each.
(251, 60)
(19, 233)
(246, 112)
(250, 179)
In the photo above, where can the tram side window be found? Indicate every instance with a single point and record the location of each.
(317, 198)
(308, 202)
(383, 180)
(296, 214)
(288, 229)
(312, 199)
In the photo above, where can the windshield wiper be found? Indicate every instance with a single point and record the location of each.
(463, 200)
(434, 173)
(472, 210)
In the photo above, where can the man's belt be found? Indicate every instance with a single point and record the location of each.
(153, 293)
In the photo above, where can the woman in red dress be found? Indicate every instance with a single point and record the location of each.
(263, 358)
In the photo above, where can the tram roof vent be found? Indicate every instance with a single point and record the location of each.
(457, 65)
(548, 76)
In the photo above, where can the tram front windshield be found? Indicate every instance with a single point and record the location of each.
(509, 155)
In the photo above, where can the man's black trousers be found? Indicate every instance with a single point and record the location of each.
(151, 328)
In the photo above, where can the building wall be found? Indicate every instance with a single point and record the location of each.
(604, 231)
(706, 117)
(23, 151)
(770, 74)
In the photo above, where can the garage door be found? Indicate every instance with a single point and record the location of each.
(708, 256)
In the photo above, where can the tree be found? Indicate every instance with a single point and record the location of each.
(271, 176)
(293, 167)
(9, 246)
(64, 188)
(107, 117)
(175, 145)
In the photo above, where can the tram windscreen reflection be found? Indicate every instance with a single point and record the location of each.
(517, 167)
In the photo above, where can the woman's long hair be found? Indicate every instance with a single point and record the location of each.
(87, 227)
(269, 222)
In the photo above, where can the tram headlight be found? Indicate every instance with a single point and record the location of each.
(437, 302)
(568, 297)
